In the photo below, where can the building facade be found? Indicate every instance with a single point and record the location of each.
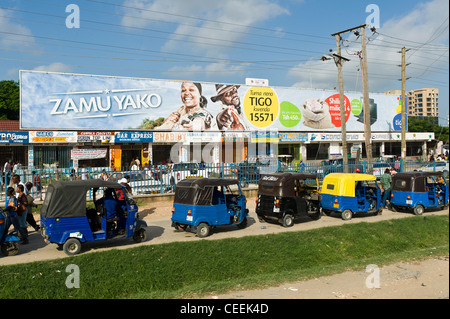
(424, 103)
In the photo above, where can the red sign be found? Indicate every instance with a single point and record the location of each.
(335, 109)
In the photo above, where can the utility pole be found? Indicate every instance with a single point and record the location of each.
(403, 99)
(339, 61)
(366, 101)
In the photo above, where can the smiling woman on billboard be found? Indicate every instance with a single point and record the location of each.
(192, 115)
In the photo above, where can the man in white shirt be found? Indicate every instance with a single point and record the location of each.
(15, 180)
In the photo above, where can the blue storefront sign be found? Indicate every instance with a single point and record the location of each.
(14, 137)
(133, 137)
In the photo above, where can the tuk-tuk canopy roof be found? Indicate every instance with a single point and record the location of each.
(343, 184)
(412, 181)
(203, 182)
(68, 199)
(199, 191)
(281, 184)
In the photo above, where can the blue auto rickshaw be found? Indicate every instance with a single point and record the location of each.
(201, 204)
(350, 194)
(66, 221)
(419, 191)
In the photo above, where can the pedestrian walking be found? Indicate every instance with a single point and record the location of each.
(11, 208)
(22, 208)
(30, 218)
(386, 182)
(37, 184)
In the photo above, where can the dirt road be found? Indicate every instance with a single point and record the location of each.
(428, 279)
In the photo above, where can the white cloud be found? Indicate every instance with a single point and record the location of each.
(55, 67)
(197, 35)
(195, 71)
(10, 29)
(426, 21)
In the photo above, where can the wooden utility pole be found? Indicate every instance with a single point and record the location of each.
(403, 134)
(366, 101)
(339, 61)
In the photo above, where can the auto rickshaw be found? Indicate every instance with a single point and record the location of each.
(419, 191)
(285, 196)
(66, 221)
(201, 204)
(350, 194)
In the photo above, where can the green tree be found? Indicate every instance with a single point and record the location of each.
(9, 100)
(417, 124)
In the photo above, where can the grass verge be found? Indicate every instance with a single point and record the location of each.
(191, 269)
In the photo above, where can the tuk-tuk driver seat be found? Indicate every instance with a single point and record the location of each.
(110, 205)
(359, 192)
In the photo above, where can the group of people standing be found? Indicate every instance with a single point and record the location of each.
(19, 207)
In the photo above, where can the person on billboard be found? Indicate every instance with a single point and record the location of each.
(192, 116)
(230, 117)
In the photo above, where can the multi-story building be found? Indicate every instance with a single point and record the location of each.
(424, 103)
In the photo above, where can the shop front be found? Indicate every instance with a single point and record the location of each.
(291, 147)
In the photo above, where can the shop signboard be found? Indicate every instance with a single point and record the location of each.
(53, 137)
(13, 137)
(203, 137)
(133, 137)
(334, 137)
(293, 137)
(168, 137)
(79, 102)
(88, 153)
(95, 137)
(264, 137)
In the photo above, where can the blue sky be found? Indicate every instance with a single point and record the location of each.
(228, 41)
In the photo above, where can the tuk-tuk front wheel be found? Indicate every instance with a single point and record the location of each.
(243, 223)
(419, 210)
(203, 230)
(347, 214)
(72, 246)
(140, 235)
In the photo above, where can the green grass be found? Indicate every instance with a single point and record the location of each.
(190, 269)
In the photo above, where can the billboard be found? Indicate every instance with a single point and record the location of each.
(91, 102)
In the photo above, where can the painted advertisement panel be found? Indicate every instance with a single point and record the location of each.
(91, 102)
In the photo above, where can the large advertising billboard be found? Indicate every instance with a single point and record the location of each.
(91, 102)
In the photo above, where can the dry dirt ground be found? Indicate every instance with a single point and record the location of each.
(424, 279)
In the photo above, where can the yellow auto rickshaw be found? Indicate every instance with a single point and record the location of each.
(349, 194)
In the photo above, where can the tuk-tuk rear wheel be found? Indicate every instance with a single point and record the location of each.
(203, 230)
(288, 220)
(72, 246)
(419, 210)
(347, 214)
